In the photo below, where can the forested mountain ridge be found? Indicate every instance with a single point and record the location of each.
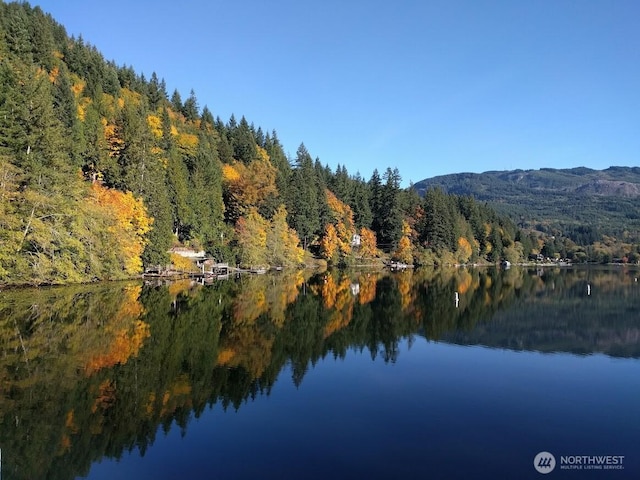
(583, 205)
(102, 172)
(492, 185)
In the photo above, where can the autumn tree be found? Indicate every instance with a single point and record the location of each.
(404, 251)
(251, 233)
(247, 186)
(283, 244)
(129, 225)
(329, 243)
(368, 243)
(341, 216)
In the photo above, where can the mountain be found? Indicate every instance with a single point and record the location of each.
(559, 201)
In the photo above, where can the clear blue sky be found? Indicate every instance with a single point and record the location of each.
(429, 87)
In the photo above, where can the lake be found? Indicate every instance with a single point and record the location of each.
(452, 374)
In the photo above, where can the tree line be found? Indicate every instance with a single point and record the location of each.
(102, 171)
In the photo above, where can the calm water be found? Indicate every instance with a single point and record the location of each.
(358, 375)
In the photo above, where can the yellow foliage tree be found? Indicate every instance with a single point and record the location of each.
(182, 264)
(404, 252)
(187, 144)
(283, 244)
(368, 243)
(128, 224)
(251, 234)
(230, 173)
(464, 250)
(247, 186)
(155, 125)
(115, 143)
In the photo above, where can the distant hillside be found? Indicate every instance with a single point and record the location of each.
(564, 200)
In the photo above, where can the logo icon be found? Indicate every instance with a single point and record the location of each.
(544, 462)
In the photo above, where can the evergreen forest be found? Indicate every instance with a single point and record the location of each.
(103, 171)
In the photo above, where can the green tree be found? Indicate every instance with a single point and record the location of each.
(205, 195)
(303, 198)
(242, 141)
(389, 216)
(176, 101)
(190, 107)
(437, 229)
(361, 206)
(157, 92)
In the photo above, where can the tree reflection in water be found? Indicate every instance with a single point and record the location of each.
(92, 371)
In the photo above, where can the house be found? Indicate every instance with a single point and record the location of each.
(188, 253)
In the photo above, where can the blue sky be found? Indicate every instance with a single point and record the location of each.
(429, 87)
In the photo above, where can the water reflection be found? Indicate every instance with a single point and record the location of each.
(92, 371)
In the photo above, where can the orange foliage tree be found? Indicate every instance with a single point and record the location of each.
(404, 252)
(368, 243)
(329, 243)
(342, 225)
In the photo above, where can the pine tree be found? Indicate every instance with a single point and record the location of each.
(16, 28)
(42, 41)
(303, 201)
(176, 102)
(279, 160)
(30, 133)
(157, 93)
(206, 119)
(387, 220)
(375, 201)
(242, 142)
(97, 163)
(437, 230)
(206, 195)
(360, 204)
(190, 107)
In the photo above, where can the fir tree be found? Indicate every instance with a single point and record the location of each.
(303, 201)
